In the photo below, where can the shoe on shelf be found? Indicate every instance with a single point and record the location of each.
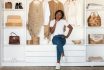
(58, 66)
(20, 6)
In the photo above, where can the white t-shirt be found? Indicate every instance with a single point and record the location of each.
(59, 30)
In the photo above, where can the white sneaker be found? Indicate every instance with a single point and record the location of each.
(57, 66)
(63, 59)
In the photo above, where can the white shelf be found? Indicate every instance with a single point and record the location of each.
(76, 44)
(42, 45)
(19, 10)
(7, 45)
(94, 49)
(99, 45)
(79, 27)
(22, 27)
(95, 10)
(21, 45)
(95, 27)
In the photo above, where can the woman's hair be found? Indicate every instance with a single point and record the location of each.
(60, 12)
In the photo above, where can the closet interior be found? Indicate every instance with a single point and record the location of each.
(25, 39)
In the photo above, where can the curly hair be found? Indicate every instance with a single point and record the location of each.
(60, 12)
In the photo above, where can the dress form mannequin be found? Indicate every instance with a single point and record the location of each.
(35, 19)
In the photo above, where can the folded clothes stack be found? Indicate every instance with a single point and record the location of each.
(95, 59)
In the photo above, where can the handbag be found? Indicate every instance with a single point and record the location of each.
(96, 38)
(14, 20)
(94, 19)
(8, 5)
(14, 39)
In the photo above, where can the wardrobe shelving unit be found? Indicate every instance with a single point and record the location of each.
(94, 49)
(95, 10)
(14, 53)
(43, 55)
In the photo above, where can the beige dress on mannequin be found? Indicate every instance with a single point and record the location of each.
(35, 17)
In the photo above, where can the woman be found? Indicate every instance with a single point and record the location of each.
(57, 27)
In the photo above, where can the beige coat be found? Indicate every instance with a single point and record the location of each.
(35, 17)
(54, 6)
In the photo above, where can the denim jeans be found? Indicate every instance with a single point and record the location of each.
(60, 41)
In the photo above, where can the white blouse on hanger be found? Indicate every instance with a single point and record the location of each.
(72, 12)
(70, 9)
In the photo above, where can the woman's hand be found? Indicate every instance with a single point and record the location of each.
(65, 36)
(55, 23)
(70, 30)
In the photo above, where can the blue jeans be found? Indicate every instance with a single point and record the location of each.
(60, 41)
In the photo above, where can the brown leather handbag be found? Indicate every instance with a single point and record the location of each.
(8, 5)
(14, 39)
(94, 19)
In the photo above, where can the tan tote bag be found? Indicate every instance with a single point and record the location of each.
(94, 20)
(14, 20)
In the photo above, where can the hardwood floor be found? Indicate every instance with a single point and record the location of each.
(51, 68)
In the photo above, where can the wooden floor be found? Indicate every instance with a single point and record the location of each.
(51, 68)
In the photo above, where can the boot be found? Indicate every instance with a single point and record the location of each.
(20, 6)
(17, 6)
